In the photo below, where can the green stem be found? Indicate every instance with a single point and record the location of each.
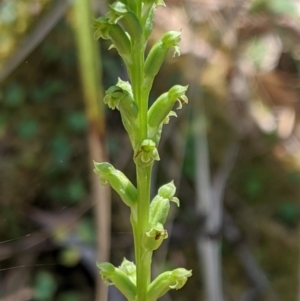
(140, 222)
(143, 257)
(137, 86)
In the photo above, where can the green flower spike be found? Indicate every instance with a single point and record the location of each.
(166, 281)
(115, 276)
(160, 111)
(118, 181)
(120, 12)
(147, 152)
(128, 24)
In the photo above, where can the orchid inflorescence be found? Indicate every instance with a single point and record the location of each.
(128, 25)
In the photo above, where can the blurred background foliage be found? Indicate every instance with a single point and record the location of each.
(16, 18)
(247, 60)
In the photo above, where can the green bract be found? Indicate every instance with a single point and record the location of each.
(148, 18)
(128, 25)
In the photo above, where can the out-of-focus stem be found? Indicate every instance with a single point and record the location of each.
(91, 83)
(89, 64)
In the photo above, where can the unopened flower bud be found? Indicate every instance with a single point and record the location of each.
(129, 269)
(175, 279)
(167, 191)
(118, 181)
(158, 53)
(160, 110)
(117, 277)
(160, 205)
(177, 92)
